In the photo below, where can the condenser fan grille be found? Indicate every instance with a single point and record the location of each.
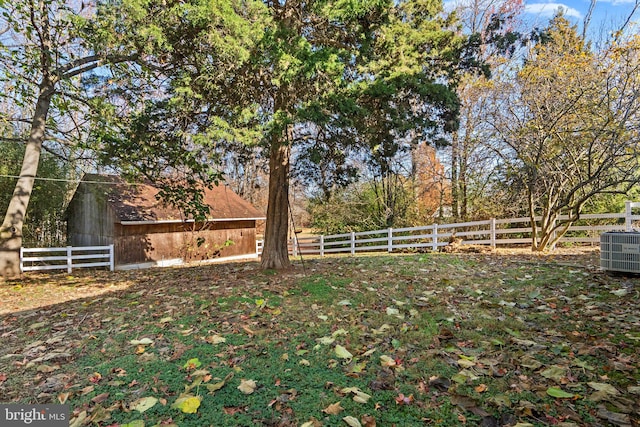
(620, 251)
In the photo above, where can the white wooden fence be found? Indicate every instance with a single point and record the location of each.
(67, 258)
(491, 232)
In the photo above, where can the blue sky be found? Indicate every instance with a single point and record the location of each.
(607, 15)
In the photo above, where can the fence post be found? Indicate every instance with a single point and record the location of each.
(435, 237)
(390, 240)
(21, 261)
(322, 245)
(294, 242)
(69, 261)
(112, 263)
(353, 243)
(627, 215)
(493, 233)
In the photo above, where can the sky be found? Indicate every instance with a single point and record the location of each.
(607, 14)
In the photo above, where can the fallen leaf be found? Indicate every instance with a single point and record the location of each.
(143, 341)
(559, 393)
(530, 362)
(143, 404)
(192, 364)
(95, 377)
(352, 421)
(333, 409)
(87, 390)
(481, 388)
(556, 373)
(358, 395)
(342, 352)
(607, 388)
(382, 329)
(78, 420)
(45, 369)
(466, 363)
(187, 403)
(401, 399)
(100, 398)
(361, 397)
(215, 339)
(463, 376)
(392, 311)
(247, 386)
(387, 361)
(218, 385)
(326, 340)
(468, 404)
(368, 421)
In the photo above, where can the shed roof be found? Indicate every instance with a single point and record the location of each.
(139, 204)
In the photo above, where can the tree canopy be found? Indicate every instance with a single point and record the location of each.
(373, 75)
(570, 131)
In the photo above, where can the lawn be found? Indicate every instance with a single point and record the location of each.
(400, 340)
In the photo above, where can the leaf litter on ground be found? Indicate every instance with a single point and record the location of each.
(492, 339)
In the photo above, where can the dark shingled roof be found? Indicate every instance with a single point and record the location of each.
(138, 202)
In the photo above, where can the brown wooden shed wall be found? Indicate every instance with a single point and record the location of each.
(141, 243)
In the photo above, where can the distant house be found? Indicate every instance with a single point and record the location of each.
(144, 231)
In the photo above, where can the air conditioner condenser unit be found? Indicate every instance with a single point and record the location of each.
(620, 251)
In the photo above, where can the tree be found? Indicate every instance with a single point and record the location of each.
(323, 161)
(153, 119)
(329, 64)
(49, 50)
(431, 188)
(44, 214)
(492, 26)
(43, 55)
(570, 127)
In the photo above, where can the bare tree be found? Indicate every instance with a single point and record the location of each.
(569, 126)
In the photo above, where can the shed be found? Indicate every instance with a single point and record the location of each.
(106, 210)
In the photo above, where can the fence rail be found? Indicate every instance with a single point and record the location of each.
(66, 258)
(492, 232)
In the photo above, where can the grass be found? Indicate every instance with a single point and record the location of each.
(398, 340)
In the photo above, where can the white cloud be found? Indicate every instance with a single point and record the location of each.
(547, 10)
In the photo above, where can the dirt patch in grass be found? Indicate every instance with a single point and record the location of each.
(417, 339)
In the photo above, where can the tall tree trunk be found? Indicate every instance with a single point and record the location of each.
(11, 229)
(275, 253)
(455, 196)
